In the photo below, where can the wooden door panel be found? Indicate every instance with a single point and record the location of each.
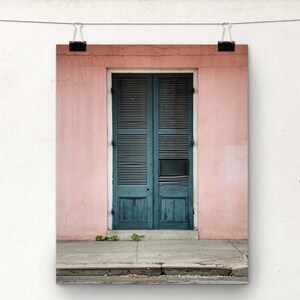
(132, 133)
(153, 159)
(173, 148)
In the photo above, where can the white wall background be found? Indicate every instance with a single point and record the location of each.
(27, 137)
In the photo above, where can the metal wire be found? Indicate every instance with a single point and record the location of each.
(149, 24)
(38, 22)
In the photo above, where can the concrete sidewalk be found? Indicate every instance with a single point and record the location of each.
(152, 261)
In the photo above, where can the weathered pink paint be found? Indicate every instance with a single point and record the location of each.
(82, 166)
(222, 153)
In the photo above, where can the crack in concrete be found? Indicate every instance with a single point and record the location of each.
(242, 254)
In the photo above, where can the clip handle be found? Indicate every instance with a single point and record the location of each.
(229, 25)
(75, 31)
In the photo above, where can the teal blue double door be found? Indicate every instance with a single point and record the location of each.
(152, 151)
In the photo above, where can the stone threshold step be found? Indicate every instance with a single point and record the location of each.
(125, 235)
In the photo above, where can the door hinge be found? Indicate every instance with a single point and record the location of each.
(113, 143)
(193, 211)
(192, 90)
(112, 90)
(112, 211)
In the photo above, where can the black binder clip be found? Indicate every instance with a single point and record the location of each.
(226, 46)
(77, 46)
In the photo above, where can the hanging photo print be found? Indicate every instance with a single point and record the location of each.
(152, 151)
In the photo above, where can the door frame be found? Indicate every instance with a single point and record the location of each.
(109, 108)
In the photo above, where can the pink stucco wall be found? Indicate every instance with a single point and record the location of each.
(222, 152)
(82, 167)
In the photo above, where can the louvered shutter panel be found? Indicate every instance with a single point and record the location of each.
(132, 115)
(174, 105)
(131, 154)
(173, 116)
(173, 102)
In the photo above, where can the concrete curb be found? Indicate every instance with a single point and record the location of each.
(152, 270)
(239, 272)
(200, 271)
